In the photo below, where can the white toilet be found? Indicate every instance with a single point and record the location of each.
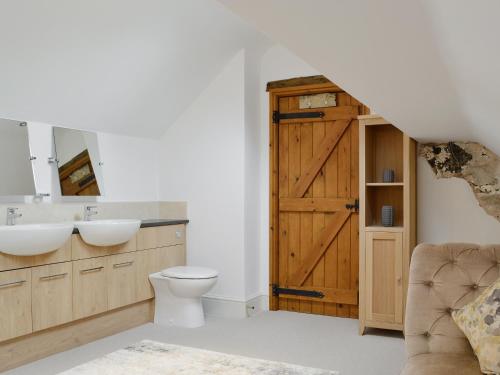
(178, 292)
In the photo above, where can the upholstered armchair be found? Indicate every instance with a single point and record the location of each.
(443, 278)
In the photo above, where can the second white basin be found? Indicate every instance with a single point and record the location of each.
(107, 232)
(33, 239)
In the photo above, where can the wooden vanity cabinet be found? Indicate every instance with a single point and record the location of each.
(52, 295)
(79, 281)
(121, 280)
(15, 303)
(90, 294)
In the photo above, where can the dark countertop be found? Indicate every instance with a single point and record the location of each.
(147, 223)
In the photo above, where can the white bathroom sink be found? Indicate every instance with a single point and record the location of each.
(107, 232)
(33, 239)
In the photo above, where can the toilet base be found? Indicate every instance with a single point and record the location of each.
(173, 311)
(179, 312)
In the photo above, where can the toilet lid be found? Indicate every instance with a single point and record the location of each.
(185, 272)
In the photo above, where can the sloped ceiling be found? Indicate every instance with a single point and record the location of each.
(120, 66)
(429, 66)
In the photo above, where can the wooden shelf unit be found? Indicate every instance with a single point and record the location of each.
(385, 251)
(385, 184)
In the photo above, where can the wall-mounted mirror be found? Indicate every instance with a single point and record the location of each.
(16, 170)
(77, 155)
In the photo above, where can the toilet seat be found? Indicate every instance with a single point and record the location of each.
(189, 273)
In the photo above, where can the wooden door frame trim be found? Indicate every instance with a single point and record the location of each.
(276, 92)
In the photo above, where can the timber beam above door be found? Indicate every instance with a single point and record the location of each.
(313, 200)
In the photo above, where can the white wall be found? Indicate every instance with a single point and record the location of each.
(127, 67)
(202, 162)
(130, 169)
(129, 173)
(253, 194)
(449, 212)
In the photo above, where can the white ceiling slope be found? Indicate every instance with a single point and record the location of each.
(119, 66)
(431, 67)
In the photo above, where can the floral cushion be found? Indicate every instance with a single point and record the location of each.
(480, 322)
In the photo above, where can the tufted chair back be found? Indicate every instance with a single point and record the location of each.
(443, 278)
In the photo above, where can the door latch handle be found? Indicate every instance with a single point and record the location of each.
(354, 206)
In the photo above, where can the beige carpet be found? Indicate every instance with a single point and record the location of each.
(154, 358)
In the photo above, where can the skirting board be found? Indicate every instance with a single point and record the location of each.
(234, 309)
(19, 351)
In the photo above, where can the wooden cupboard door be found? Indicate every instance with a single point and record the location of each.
(147, 238)
(170, 235)
(147, 263)
(156, 260)
(90, 293)
(176, 256)
(121, 279)
(15, 303)
(52, 295)
(384, 277)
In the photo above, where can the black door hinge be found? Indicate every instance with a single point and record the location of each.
(277, 115)
(354, 206)
(297, 292)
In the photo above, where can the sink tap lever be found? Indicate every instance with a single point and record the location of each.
(12, 215)
(89, 212)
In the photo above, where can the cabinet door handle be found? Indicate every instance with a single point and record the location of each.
(12, 283)
(51, 277)
(95, 269)
(124, 264)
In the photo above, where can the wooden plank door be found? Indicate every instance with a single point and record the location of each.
(314, 181)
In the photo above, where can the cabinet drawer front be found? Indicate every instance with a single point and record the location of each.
(9, 262)
(147, 238)
(90, 295)
(121, 279)
(52, 295)
(171, 235)
(384, 270)
(15, 303)
(82, 250)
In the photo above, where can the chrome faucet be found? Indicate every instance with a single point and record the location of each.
(89, 212)
(12, 215)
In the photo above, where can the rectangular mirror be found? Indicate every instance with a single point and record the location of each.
(16, 168)
(78, 161)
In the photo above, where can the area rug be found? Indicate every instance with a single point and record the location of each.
(154, 358)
